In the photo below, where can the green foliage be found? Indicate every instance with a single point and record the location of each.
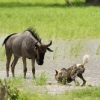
(14, 81)
(16, 93)
(40, 79)
(13, 94)
(51, 19)
(55, 53)
(80, 94)
(98, 50)
(2, 53)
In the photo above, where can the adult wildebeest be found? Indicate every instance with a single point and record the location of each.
(25, 45)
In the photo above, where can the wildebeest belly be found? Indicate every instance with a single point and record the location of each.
(16, 50)
(16, 47)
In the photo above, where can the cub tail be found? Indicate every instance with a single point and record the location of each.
(85, 59)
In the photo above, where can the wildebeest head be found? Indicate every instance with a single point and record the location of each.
(40, 51)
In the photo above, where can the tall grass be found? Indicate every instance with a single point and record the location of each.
(98, 50)
(75, 49)
(40, 79)
(87, 93)
(81, 94)
(51, 19)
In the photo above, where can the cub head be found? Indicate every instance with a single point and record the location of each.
(58, 76)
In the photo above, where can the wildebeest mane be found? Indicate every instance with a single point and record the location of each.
(8, 38)
(33, 33)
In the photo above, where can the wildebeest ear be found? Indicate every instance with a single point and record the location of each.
(49, 50)
(56, 71)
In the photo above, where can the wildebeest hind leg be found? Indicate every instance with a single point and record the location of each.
(13, 65)
(8, 55)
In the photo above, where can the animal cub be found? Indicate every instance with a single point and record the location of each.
(68, 75)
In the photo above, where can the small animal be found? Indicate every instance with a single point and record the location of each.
(68, 75)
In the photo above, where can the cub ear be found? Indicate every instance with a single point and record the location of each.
(56, 71)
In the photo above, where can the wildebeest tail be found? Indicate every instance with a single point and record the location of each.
(7, 38)
(85, 59)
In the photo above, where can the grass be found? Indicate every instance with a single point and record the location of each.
(55, 55)
(40, 79)
(19, 92)
(81, 94)
(51, 19)
(75, 49)
(2, 53)
(98, 50)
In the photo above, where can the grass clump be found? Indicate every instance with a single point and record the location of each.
(80, 94)
(14, 93)
(52, 19)
(16, 81)
(98, 50)
(2, 53)
(75, 49)
(40, 79)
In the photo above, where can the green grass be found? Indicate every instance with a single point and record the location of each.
(20, 92)
(75, 49)
(2, 53)
(51, 19)
(80, 94)
(98, 50)
(40, 79)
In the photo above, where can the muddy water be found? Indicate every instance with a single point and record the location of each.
(66, 53)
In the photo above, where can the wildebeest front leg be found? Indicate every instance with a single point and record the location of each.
(13, 65)
(24, 66)
(33, 67)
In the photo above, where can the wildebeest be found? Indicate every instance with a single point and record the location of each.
(25, 45)
(68, 75)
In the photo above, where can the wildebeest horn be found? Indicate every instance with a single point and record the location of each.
(49, 44)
